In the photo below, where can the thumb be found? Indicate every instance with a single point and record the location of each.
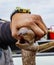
(15, 33)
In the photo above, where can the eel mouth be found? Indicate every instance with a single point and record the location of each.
(22, 40)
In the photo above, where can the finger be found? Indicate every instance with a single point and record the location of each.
(37, 30)
(40, 23)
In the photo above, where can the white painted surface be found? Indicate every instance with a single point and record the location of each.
(45, 60)
(40, 60)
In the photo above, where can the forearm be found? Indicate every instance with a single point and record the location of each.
(6, 33)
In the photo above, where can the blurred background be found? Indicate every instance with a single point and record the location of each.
(45, 8)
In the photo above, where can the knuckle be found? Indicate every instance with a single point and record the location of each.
(38, 17)
(41, 35)
(31, 23)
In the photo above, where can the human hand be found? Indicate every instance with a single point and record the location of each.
(34, 22)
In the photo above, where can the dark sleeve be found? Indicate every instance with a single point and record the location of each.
(5, 33)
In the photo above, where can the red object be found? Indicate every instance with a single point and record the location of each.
(51, 35)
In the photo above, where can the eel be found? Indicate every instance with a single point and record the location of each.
(26, 42)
